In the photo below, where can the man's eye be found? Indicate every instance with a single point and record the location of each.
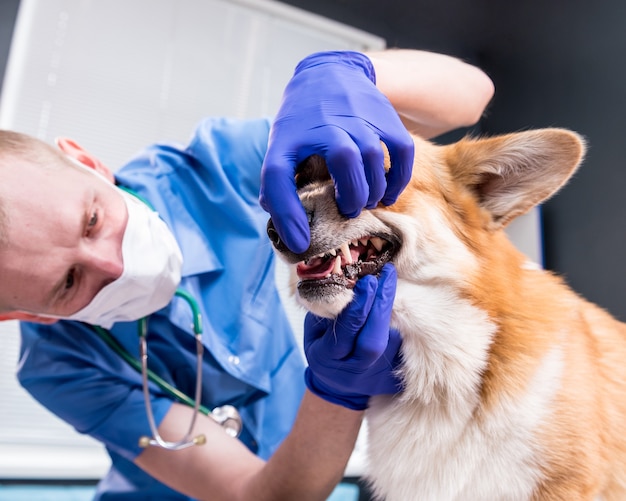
(91, 223)
(69, 280)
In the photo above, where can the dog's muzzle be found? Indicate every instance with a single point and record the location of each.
(275, 238)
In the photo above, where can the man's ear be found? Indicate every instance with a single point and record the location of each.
(78, 153)
(28, 317)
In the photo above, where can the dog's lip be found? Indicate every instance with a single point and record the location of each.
(345, 264)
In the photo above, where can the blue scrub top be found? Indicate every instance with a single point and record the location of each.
(208, 195)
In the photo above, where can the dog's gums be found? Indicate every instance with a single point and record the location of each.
(346, 264)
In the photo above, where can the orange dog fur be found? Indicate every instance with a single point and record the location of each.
(514, 386)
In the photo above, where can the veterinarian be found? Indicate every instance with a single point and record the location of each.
(171, 253)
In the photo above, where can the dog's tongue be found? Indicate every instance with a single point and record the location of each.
(316, 268)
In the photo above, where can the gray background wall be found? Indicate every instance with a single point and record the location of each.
(554, 63)
(8, 11)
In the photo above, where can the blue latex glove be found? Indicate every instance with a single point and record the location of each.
(355, 355)
(331, 107)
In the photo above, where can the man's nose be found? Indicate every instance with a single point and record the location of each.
(108, 264)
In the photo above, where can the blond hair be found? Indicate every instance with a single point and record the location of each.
(18, 145)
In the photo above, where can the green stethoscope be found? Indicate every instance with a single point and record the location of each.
(226, 415)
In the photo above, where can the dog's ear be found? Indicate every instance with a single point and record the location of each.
(512, 173)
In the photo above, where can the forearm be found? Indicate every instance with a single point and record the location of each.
(307, 466)
(312, 459)
(433, 93)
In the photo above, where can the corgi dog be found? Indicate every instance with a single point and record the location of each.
(514, 387)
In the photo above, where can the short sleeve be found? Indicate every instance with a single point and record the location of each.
(75, 375)
(238, 146)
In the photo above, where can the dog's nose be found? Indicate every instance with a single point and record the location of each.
(274, 237)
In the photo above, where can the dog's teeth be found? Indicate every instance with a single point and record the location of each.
(377, 243)
(337, 267)
(332, 252)
(363, 241)
(354, 243)
(345, 250)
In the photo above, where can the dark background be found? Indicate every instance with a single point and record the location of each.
(554, 63)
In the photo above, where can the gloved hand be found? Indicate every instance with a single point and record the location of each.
(331, 107)
(355, 355)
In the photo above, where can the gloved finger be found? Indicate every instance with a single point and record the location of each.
(373, 339)
(374, 166)
(394, 344)
(314, 328)
(345, 165)
(278, 197)
(401, 153)
(350, 321)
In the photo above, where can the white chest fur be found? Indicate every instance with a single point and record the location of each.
(435, 442)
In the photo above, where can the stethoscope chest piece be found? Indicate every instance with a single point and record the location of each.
(228, 418)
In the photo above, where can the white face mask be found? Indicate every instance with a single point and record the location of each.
(152, 271)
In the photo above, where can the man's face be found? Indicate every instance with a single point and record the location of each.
(64, 233)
